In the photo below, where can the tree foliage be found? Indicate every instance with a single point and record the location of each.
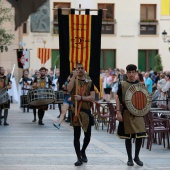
(158, 63)
(5, 36)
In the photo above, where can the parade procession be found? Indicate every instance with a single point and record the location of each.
(82, 87)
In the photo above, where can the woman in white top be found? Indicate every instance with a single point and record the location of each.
(107, 82)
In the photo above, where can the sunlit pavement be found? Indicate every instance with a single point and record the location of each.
(25, 145)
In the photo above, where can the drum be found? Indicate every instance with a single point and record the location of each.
(4, 97)
(40, 97)
(59, 96)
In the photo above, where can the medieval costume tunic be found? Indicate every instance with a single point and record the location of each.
(4, 81)
(132, 126)
(84, 117)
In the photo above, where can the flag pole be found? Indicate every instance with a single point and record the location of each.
(79, 9)
(12, 71)
(77, 80)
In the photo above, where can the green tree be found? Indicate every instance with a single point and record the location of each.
(158, 63)
(5, 36)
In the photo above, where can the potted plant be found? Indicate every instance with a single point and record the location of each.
(149, 20)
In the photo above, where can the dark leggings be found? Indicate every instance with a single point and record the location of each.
(34, 113)
(128, 144)
(77, 133)
(5, 115)
(40, 114)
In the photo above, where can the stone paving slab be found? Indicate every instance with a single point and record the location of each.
(27, 146)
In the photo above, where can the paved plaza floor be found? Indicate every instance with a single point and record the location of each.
(25, 145)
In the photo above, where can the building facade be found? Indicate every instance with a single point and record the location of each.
(131, 32)
(8, 59)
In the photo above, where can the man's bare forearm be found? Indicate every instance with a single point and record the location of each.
(117, 103)
(71, 84)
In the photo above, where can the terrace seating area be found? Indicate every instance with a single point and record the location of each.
(156, 120)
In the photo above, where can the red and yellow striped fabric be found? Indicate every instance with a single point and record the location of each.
(79, 40)
(44, 54)
(139, 100)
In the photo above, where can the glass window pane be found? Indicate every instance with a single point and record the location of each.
(151, 12)
(100, 6)
(55, 29)
(110, 13)
(109, 27)
(148, 29)
(60, 5)
(143, 12)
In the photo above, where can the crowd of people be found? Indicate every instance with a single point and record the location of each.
(157, 83)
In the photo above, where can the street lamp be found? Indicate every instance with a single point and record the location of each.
(164, 36)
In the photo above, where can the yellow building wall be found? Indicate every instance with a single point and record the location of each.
(165, 7)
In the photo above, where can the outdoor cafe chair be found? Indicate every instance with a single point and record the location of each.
(95, 115)
(156, 127)
(112, 118)
(102, 115)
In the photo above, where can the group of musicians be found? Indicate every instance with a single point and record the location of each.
(130, 126)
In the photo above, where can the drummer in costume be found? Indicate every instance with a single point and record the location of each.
(85, 95)
(24, 86)
(4, 83)
(130, 126)
(36, 75)
(42, 82)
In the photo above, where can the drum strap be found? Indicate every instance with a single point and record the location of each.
(80, 103)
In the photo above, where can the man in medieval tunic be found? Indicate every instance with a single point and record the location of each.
(42, 82)
(82, 118)
(130, 126)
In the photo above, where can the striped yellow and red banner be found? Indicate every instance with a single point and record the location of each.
(44, 54)
(79, 40)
